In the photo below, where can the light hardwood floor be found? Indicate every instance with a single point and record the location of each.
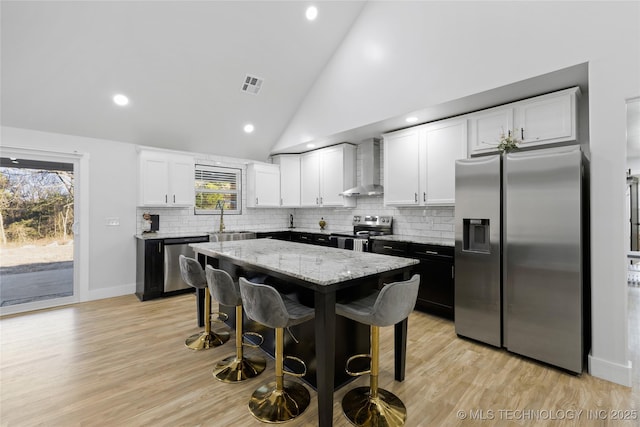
(121, 362)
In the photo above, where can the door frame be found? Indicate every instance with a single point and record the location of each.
(80, 163)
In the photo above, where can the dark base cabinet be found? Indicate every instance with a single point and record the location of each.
(150, 269)
(278, 235)
(320, 239)
(436, 271)
(437, 278)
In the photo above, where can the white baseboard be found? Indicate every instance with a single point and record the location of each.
(610, 371)
(115, 291)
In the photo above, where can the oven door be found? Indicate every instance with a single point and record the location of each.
(342, 242)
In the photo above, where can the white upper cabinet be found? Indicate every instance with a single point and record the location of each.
(326, 173)
(310, 179)
(542, 120)
(166, 179)
(548, 119)
(263, 185)
(419, 163)
(446, 142)
(402, 158)
(486, 127)
(289, 179)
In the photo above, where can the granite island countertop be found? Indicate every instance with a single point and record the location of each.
(319, 265)
(159, 235)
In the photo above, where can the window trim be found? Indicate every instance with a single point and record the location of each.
(238, 192)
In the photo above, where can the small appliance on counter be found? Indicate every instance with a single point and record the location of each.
(151, 224)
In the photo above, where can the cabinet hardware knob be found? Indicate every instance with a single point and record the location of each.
(387, 247)
(174, 198)
(165, 198)
(431, 252)
(453, 272)
(320, 200)
(415, 197)
(256, 200)
(424, 196)
(521, 133)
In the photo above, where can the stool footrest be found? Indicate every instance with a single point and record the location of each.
(358, 373)
(222, 317)
(295, 374)
(253, 334)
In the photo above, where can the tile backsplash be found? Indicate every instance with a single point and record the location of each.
(436, 222)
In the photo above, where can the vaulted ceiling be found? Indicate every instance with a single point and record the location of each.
(182, 65)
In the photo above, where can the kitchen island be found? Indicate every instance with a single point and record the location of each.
(325, 274)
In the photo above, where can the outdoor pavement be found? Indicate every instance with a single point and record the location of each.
(19, 288)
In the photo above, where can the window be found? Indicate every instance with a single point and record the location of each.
(215, 186)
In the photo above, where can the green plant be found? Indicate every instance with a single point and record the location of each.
(508, 142)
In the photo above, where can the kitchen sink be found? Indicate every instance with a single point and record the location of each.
(225, 236)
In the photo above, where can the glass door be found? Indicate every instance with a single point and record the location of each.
(37, 248)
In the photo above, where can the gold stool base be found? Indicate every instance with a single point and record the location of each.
(204, 340)
(277, 406)
(363, 410)
(232, 369)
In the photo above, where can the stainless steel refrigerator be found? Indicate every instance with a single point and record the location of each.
(521, 241)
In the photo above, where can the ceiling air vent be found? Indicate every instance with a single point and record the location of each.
(252, 84)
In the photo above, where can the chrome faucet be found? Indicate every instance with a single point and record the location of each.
(220, 205)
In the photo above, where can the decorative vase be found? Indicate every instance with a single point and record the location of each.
(322, 223)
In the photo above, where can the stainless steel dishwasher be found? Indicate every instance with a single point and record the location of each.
(173, 248)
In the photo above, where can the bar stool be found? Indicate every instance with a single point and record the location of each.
(278, 401)
(237, 367)
(193, 274)
(373, 406)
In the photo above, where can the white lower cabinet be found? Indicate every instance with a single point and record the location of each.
(166, 179)
(263, 185)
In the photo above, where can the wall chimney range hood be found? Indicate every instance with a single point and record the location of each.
(370, 170)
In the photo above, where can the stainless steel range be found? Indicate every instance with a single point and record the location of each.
(364, 226)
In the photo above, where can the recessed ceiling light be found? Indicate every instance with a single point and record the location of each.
(120, 99)
(411, 119)
(310, 145)
(248, 128)
(311, 13)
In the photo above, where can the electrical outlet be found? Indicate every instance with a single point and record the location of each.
(112, 221)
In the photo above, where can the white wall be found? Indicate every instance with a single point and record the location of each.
(404, 56)
(112, 166)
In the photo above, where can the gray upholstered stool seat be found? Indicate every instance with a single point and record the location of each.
(281, 400)
(373, 406)
(193, 274)
(237, 367)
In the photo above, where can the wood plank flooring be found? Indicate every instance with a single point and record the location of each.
(121, 362)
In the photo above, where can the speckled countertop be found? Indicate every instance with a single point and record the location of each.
(160, 235)
(417, 239)
(320, 265)
(315, 230)
(156, 235)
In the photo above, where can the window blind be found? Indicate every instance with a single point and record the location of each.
(217, 186)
